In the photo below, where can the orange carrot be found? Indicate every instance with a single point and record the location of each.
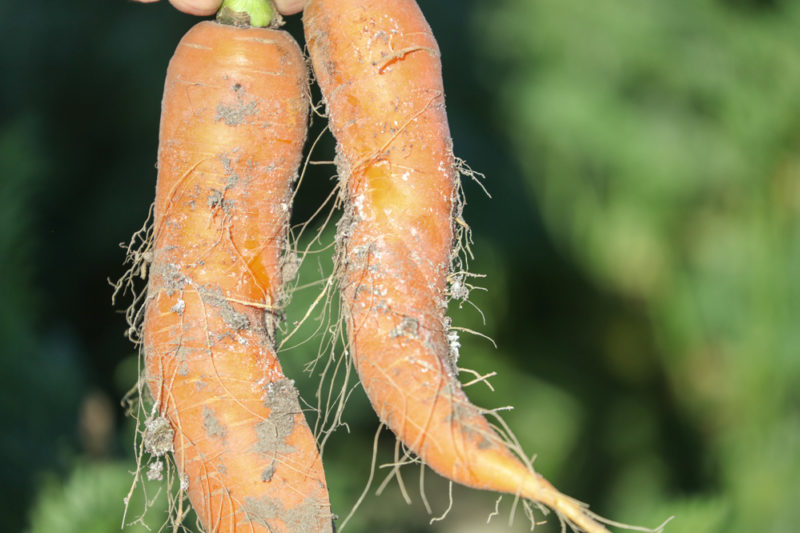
(378, 66)
(233, 124)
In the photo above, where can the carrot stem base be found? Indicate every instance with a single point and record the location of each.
(248, 13)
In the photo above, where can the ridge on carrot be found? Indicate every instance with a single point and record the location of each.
(378, 66)
(233, 124)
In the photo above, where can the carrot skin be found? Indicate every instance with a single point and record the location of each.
(233, 125)
(396, 161)
(378, 66)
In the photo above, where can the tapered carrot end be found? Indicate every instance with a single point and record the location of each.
(574, 513)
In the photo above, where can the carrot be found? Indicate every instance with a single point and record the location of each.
(233, 124)
(378, 66)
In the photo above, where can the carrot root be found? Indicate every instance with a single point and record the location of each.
(233, 125)
(378, 66)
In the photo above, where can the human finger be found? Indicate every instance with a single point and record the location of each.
(197, 7)
(290, 7)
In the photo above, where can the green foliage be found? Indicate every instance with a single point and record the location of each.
(661, 142)
(90, 501)
(21, 178)
(41, 376)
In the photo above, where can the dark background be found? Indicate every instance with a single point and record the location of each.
(641, 249)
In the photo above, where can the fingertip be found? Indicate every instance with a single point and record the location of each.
(290, 7)
(200, 8)
(209, 7)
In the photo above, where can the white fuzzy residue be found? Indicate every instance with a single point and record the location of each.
(178, 307)
(455, 343)
(458, 289)
(155, 471)
(358, 203)
(443, 168)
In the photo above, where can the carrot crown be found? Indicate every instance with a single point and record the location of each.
(252, 13)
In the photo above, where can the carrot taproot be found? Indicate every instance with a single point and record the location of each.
(233, 124)
(379, 69)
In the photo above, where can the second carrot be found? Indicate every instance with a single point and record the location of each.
(378, 66)
(233, 125)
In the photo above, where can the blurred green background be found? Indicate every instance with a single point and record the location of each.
(641, 251)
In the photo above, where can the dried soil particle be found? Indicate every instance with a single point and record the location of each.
(485, 444)
(308, 515)
(179, 307)
(263, 510)
(215, 198)
(281, 399)
(158, 436)
(268, 472)
(461, 414)
(290, 266)
(236, 114)
(183, 352)
(232, 318)
(461, 411)
(458, 290)
(212, 425)
(408, 327)
(171, 274)
(155, 472)
(233, 177)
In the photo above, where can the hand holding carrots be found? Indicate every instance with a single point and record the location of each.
(234, 117)
(209, 7)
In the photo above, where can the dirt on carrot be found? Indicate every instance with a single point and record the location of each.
(233, 125)
(379, 69)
